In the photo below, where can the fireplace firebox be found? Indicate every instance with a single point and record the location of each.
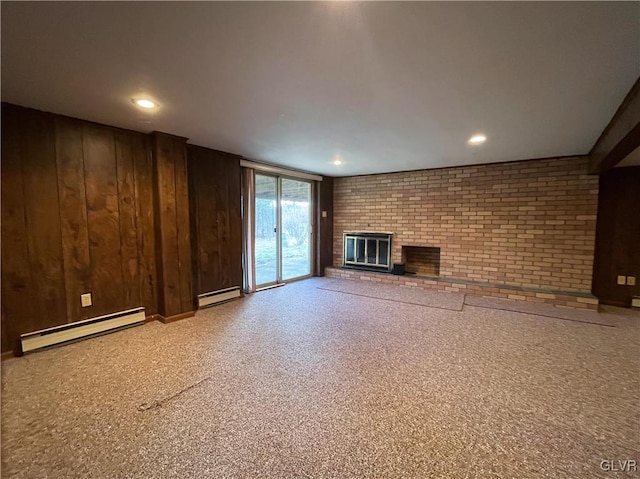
(421, 260)
(370, 251)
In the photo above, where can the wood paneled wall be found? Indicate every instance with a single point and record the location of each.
(324, 236)
(76, 218)
(617, 236)
(133, 219)
(216, 226)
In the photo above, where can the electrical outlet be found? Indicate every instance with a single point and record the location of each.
(622, 280)
(85, 299)
(631, 280)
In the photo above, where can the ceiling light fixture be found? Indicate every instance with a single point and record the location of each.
(477, 140)
(337, 162)
(144, 103)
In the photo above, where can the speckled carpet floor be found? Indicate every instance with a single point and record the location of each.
(300, 381)
(402, 294)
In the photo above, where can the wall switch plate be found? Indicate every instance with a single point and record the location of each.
(622, 280)
(635, 302)
(631, 280)
(324, 214)
(85, 299)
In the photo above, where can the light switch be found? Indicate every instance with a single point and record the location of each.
(622, 280)
(631, 280)
(85, 299)
(324, 214)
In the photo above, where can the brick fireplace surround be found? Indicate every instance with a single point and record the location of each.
(522, 230)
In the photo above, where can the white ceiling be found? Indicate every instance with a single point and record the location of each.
(387, 86)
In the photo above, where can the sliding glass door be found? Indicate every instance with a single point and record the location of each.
(295, 201)
(266, 230)
(282, 240)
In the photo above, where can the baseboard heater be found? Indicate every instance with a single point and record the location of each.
(216, 297)
(80, 329)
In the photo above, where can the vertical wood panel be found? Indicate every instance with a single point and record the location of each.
(187, 300)
(324, 228)
(234, 181)
(193, 163)
(618, 229)
(145, 223)
(127, 220)
(221, 258)
(205, 212)
(171, 247)
(43, 235)
(168, 229)
(73, 216)
(17, 287)
(5, 327)
(77, 217)
(103, 219)
(216, 217)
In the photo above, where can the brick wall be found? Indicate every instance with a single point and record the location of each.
(529, 223)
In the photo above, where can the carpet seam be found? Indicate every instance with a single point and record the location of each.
(392, 300)
(156, 404)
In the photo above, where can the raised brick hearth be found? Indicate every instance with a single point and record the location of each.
(557, 298)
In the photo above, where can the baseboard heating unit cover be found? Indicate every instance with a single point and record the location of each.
(80, 329)
(215, 297)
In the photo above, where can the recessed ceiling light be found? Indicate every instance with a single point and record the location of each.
(144, 103)
(477, 140)
(337, 162)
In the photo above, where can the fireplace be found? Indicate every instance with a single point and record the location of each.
(370, 251)
(421, 260)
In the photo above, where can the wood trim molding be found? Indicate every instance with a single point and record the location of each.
(169, 135)
(7, 355)
(206, 150)
(279, 170)
(620, 137)
(175, 317)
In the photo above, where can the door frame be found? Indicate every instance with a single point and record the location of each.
(279, 280)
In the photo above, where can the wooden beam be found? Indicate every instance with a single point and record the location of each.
(620, 137)
(173, 250)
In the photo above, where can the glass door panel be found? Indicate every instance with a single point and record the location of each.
(360, 245)
(295, 206)
(372, 251)
(383, 253)
(266, 227)
(351, 246)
